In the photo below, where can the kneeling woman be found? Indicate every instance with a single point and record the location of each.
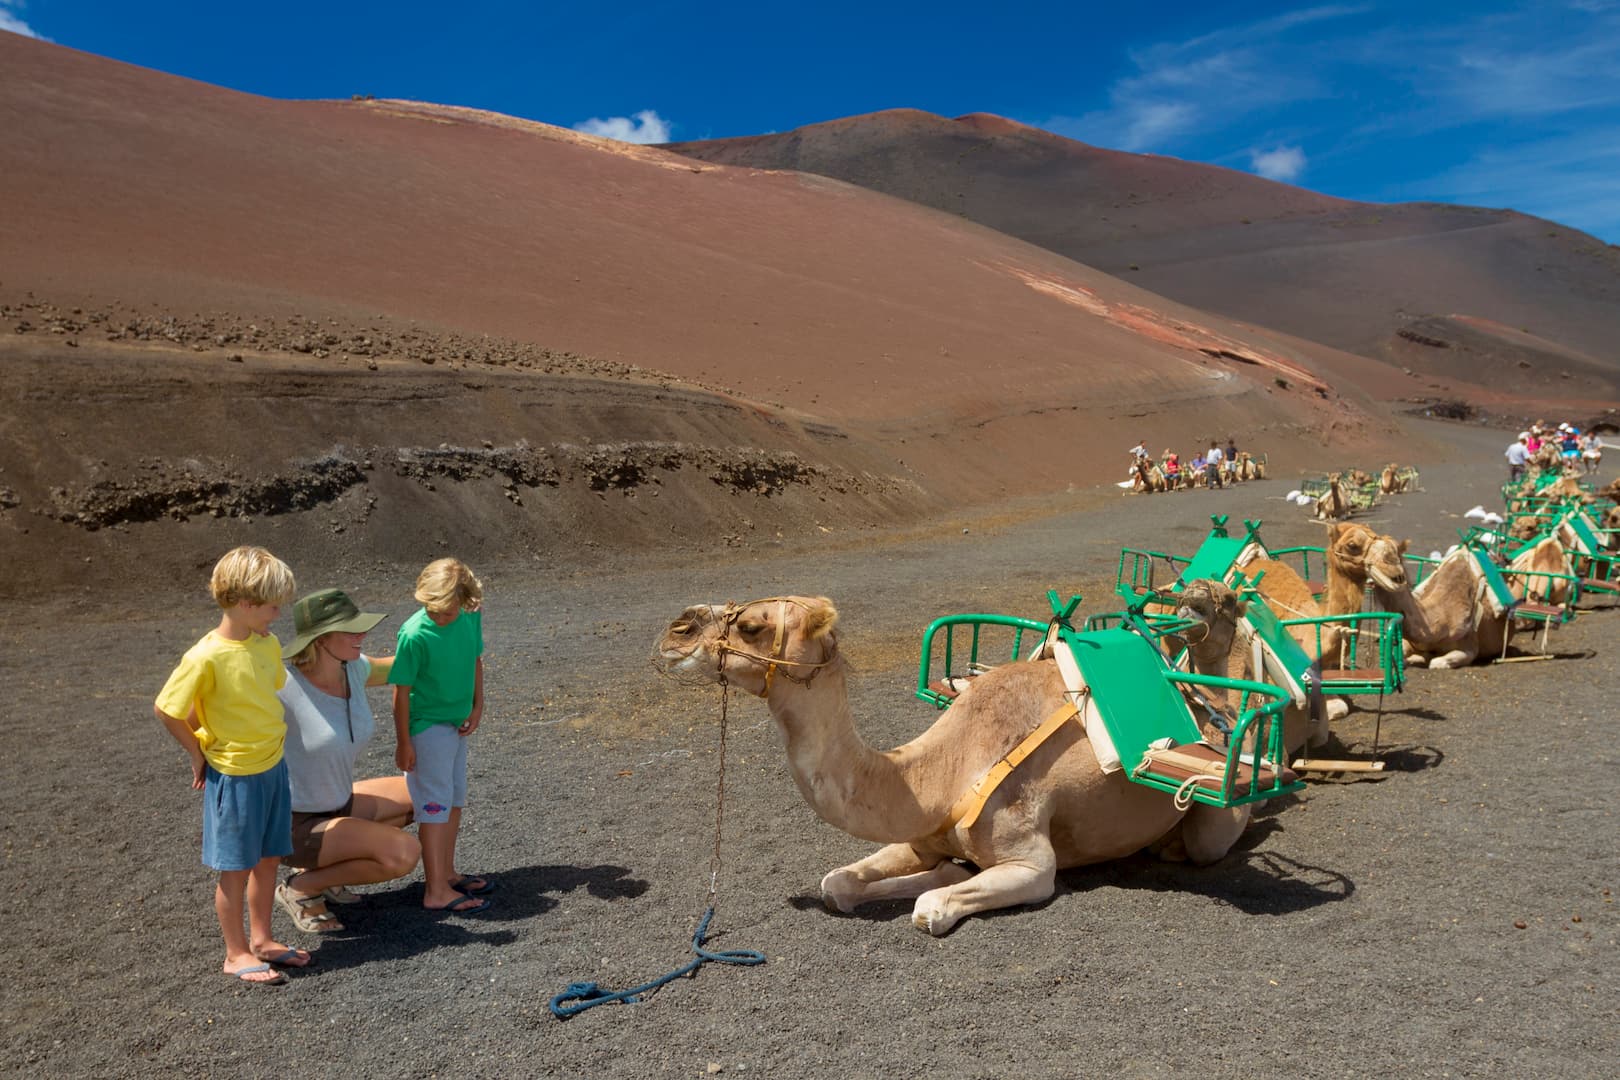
(344, 833)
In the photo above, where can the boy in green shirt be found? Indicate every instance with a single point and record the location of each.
(438, 680)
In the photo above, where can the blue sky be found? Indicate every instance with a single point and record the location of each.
(1488, 103)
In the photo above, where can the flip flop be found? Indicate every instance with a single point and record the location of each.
(293, 958)
(241, 975)
(452, 909)
(483, 888)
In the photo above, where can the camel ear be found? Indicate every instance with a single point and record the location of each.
(1234, 606)
(819, 617)
(1404, 545)
(1333, 530)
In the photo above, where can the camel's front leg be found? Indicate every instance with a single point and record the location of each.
(1008, 884)
(896, 872)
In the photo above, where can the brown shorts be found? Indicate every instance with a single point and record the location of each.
(306, 842)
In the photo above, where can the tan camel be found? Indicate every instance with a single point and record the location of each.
(1248, 468)
(1333, 503)
(1391, 481)
(1056, 809)
(1220, 645)
(1445, 621)
(1565, 487)
(1148, 477)
(1549, 558)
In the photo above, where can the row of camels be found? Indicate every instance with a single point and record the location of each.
(1058, 807)
(1346, 490)
(1146, 476)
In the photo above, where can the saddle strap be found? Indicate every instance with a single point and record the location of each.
(965, 811)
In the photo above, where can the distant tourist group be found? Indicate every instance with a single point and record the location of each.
(273, 750)
(1212, 468)
(1564, 447)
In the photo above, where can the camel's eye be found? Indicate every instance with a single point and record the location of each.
(752, 627)
(1355, 549)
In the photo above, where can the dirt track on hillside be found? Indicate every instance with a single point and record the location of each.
(1454, 917)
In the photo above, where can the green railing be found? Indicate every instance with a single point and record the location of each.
(973, 628)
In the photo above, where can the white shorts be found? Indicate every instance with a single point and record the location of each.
(439, 781)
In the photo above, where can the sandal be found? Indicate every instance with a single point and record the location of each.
(246, 974)
(473, 885)
(310, 922)
(337, 894)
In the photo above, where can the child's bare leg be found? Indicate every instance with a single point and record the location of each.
(261, 896)
(455, 834)
(228, 896)
(438, 857)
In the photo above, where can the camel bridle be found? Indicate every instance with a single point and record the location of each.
(733, 612)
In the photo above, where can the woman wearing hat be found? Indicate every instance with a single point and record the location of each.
(344, 833)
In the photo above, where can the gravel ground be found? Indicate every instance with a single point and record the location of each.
(1453, 917)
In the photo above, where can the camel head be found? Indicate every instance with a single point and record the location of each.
(1217, 609)
(750, 644)
(1362, 555)
(1527, 528)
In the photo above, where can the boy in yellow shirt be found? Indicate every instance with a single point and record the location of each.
(220, 705)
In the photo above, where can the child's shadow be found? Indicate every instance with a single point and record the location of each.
(390, 923)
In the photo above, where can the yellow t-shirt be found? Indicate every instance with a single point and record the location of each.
(233, 684)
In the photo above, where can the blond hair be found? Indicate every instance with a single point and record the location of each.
(446, 585)
(251, 575)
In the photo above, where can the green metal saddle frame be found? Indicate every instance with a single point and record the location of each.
(1500, 595)
(1375, 661)
(1139, 698)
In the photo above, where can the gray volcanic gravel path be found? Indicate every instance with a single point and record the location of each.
(1454, 917)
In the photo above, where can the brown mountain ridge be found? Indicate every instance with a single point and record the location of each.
(1347, 274)
(384, 329)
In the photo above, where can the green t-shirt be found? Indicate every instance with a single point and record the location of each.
(440, 665)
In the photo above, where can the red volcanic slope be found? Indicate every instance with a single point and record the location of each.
(1343, 273)
(123, 182)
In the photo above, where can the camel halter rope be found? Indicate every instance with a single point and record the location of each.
(728, 619)
(587, 995)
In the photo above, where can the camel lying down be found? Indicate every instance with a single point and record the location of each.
(1057, 808)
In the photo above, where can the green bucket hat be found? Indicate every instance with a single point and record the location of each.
(325, 612)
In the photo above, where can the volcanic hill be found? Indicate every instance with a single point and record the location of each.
(378, 329)
(1496, 297)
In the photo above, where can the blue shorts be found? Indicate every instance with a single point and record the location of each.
(439, 780)
(246, 818)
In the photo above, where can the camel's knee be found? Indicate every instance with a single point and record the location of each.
(1208, 833)
(1005, 885)
(1170, 847)
(840, 890)
(847, 888)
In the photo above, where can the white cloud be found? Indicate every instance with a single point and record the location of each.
(1285, 163)
(645, 127)
(15, 23)
(1564, 178)
(1192, 87)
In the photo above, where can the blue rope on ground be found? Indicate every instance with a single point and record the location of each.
(589, 995)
